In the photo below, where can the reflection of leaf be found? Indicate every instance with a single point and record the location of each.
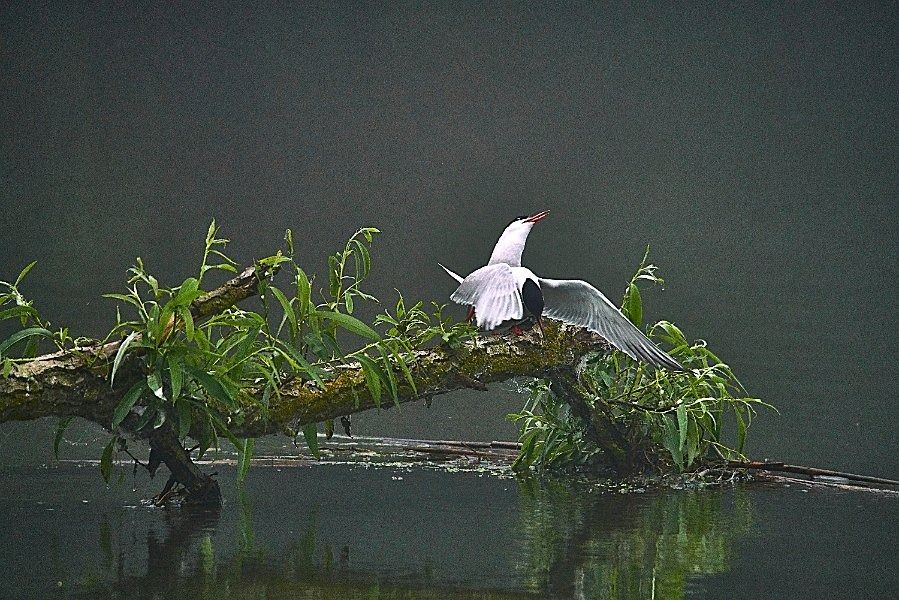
(60, 430)
(207, 555)
(310, 433)
(106, 459)
(638, 546)
(244, 458)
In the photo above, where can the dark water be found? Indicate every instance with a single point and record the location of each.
(351, 531)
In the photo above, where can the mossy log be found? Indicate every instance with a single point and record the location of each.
(76, 383)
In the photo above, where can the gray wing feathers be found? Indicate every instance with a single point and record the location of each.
(493, 292)
(579, 303)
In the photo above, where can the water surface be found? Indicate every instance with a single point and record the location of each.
(410, 531)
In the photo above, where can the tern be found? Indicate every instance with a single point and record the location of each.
(504, 292)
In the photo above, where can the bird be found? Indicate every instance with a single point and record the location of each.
(504, 292)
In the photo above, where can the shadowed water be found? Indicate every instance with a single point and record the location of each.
(351, 531)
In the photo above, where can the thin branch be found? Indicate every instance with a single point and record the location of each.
(810, 471)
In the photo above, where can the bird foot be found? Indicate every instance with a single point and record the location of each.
(517, 330)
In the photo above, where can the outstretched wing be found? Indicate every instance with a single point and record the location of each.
(455, 276)
(579, 303)
(493, 292)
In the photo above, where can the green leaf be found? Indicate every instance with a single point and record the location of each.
(126, 404)
(213, 387)
(23, 312)
(525, 456)
(24, 272)
(362, 257)
(741, 429)
(634, 305)
(372, 374)
(129, 299)
(304, 291)
(300, 364)
(185, 417)
(676, 334)
(348, 301)
(367, 231)
(120, 354)
(682, 425)
(21, 335)
(671, 441)
(693, 440)
(148, 415)
(310, 434)
(288, 308)
(188, 292)
(106, 459)
(334, 277)
(154, 382)
(220, 426)
(243, 461)
(391, 378)
(405, 369)
(60, 430)
(351, 324)
(188, 319)
(176, 372)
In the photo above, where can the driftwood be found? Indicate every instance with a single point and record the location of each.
(814, 473)
(76, 383)
(506, 451)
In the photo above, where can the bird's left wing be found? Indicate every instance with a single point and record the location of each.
(493, 292)
(455, 276)
(579, 303)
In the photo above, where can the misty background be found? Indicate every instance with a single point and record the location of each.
(753, 147)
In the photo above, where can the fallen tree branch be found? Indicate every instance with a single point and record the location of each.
(75, 382)
(810, 471)
(437, 371)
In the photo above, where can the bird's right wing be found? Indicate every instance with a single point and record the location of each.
(493, 292)
(579, 303)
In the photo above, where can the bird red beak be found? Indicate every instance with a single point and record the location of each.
(538, 217)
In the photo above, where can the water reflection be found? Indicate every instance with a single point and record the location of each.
(559, 540)
(590, 545)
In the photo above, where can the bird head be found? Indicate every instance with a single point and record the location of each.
(511, 243)
(524, 223)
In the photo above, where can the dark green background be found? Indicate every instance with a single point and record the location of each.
(753, 146)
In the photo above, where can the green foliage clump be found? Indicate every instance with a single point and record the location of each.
(24, 343)
(202, 375)
(660, 418)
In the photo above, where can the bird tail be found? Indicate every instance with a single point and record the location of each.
(455, 276)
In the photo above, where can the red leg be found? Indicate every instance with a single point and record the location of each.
(517, 330)
(470, 314)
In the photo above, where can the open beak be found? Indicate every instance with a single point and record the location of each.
(538, 217)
